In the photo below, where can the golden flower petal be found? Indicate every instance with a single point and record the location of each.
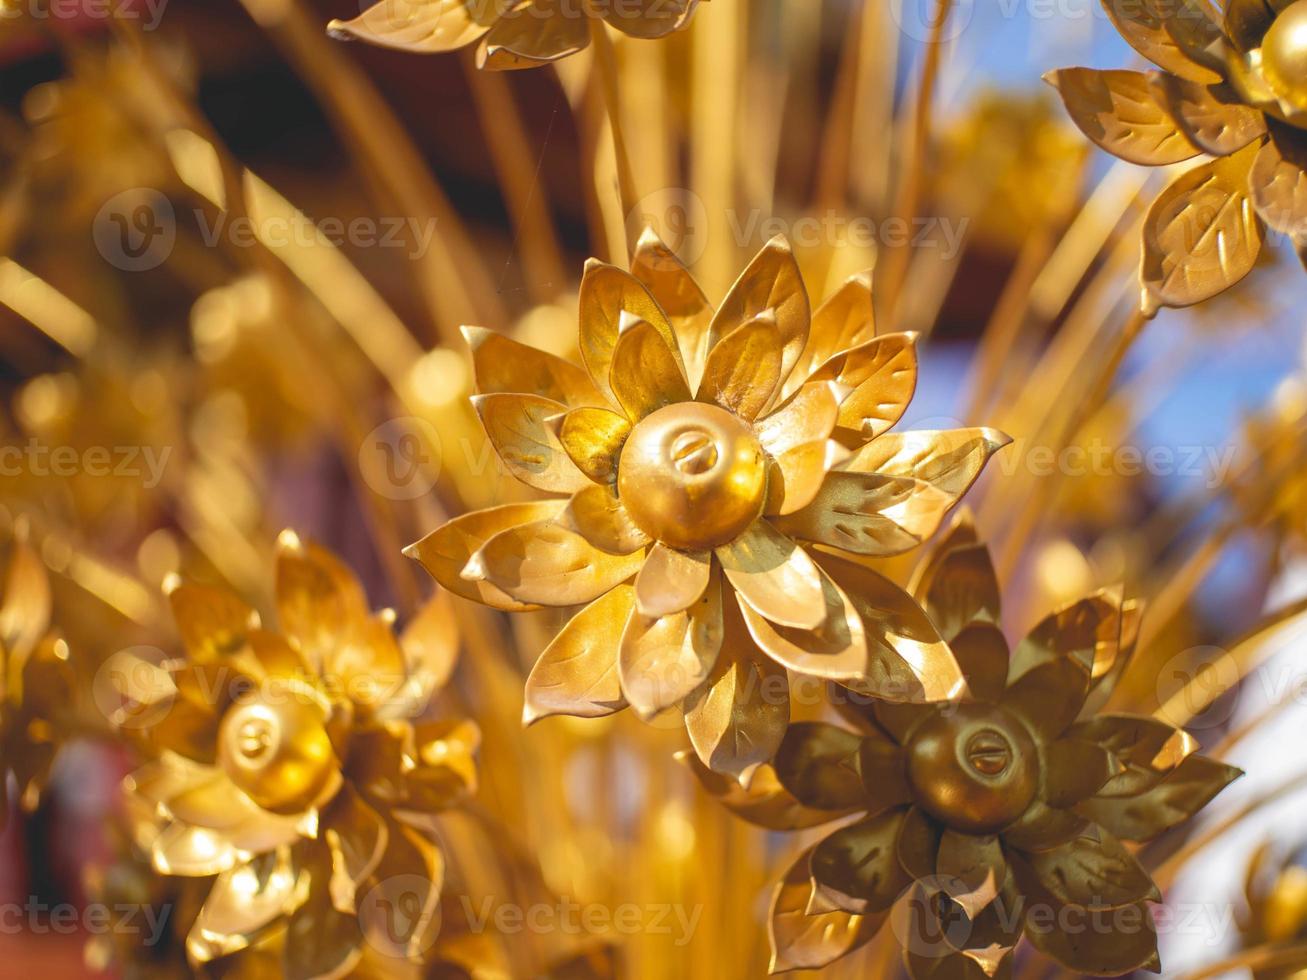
(1210, 116)
(736, 720)
(1278, 180)
(800, 941)
(243, 905)
(521, 429)
(743, 370)
(846, 319)
(650, 18)
(1093, 871)
(836, 649)
(212, 622)
(1075, 770)
(1125, 940)
(665, 657)
(577, 673)
(917, 845)
(1146, 747)
(972, 869)
(982, 653)
(420, 25)
(809, 416)
(534, 33)
(775, 577)
(319, 940)
(671, 581)
(1049, 696)
(1110, 661)
(1176, 797)
(25, 603)
(276, 657)
(356, 836)
(796, 476)
(430, 644)
(907, 659)
(771, 283)
(949, 460)
(646, 373)
(445, 552)
(593, 440)
(957, 583)
(597, 515)
(1246, 21)
(503, 365)
(548, 564)
(993, 963)
(680, 297)
(1123, 113)
(764, 802)
(444, 764)
(880, 377)
(1148, 26)
(869, 513)
(319, 599)
(610, 295)
(1087, 631)
(193, 852)
(822, 766)
(1042, 827)
(858, 868)
(1201, 234)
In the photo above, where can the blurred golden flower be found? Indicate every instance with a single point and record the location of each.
(698, 448)
(512, 33)
(1276, 891)
(293, 766)
(1236, 91)
(36, 679)
(997, 817)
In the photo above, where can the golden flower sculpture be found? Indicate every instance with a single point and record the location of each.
(511, 33)
(293, 767)
(997, 817)
(36, 679)
(699, 456)
(1275, 889)
(1235, 91)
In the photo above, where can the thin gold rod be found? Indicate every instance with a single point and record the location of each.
(912, 170)
(511, 151)
(605, 64)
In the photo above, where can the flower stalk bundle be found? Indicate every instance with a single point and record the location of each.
(740, 368)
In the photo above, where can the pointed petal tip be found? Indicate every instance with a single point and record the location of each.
(171, 583)
(779, 243)
(995, 439)
(474, 336)
(339, 30)
(411, 551)
(648, 238)
(289, 542)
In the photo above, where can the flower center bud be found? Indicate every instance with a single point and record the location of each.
(973, 767)
(692, 476)
(1284, 55)
(276, 749)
